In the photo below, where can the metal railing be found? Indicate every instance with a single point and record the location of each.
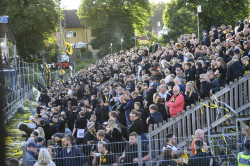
(207, 117)
(222, 150)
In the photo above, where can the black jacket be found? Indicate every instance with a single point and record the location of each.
(205, 89)
(200, 158)
(162, 110)
(235, 70)
(207, 40)
(56, 127)
(45, 99)
(189, 75)
(192, 99)
(216, 85)
(199, 71)
(104, 110)
(136, 126)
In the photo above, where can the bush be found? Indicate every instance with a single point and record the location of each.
(82, 49)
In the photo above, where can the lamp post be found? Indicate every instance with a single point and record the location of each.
(121, 42)
(197, 15)
(135, 38)
(159, 24)
(111, 47)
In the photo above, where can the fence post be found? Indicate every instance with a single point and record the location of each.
(150, 149)
(208, 122)
(139, 150)
(24, 156)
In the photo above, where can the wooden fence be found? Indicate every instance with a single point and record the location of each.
(235, 95)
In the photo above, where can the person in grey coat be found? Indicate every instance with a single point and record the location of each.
(31, 150)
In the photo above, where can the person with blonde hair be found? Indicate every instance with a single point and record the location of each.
(116, 138)
(205, 86)
(44, 158)
(190, 94)
(246, 136)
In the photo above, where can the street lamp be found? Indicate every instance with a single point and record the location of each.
(159, 24)
(135, 38)
(111, 47)
(121, 42)
(197, 15)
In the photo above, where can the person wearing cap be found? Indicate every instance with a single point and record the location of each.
(200, 158)
(243, 157)
(206, 38)
(39, 141)
(31, 150)
(58, 139)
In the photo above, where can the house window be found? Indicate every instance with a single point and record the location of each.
(71, 33)
(92, 31)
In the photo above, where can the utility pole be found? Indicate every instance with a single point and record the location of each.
(111, 47)
(121, 42)
(197, 15)
(135, 38)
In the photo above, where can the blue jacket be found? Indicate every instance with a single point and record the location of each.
(30, 158)
(131, 87)
(128, 107)
(72, 158)
(157, 117)
(216, 85)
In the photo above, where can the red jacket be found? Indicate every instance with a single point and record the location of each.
(176, 106)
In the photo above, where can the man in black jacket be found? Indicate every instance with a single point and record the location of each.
(45, 98)
(206, 38)
(47, 129)
(235, 70)
(200, 158)
(214, 81)
(56, 124)
(137, 124)
(215, 34)
(189, 73)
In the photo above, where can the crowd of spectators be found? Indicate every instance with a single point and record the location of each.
(146, 86)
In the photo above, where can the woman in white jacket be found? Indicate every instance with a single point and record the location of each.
(44, 158)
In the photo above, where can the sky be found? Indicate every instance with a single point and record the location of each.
(74, 4)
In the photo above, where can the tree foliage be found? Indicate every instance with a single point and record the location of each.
(213, 13)
(157, 9)
(113, 20)
(33, 21)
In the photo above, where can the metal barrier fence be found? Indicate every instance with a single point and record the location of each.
(18, 83)
(223, 150)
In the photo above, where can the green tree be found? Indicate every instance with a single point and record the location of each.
(157, 9)
(113, 20)
(33, 21)
(213, 13)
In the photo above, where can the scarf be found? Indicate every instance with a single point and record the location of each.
(173, 100)
(102, 158)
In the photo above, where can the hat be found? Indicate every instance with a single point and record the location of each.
(190, 60)
(35, 133)
(31, 117)
(50, 142)
(226, 27)
(105, 123)
(204, 31)
(171, 83)
(30, 144)
(60, 135)
(237, 51)
(89, 125)
(39, 139)
(213, 27)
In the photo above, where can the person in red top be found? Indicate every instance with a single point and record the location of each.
(199, 135)
(176, 102)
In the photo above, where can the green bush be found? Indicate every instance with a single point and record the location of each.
(82, 49)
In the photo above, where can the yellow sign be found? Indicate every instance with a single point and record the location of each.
(68, 48)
